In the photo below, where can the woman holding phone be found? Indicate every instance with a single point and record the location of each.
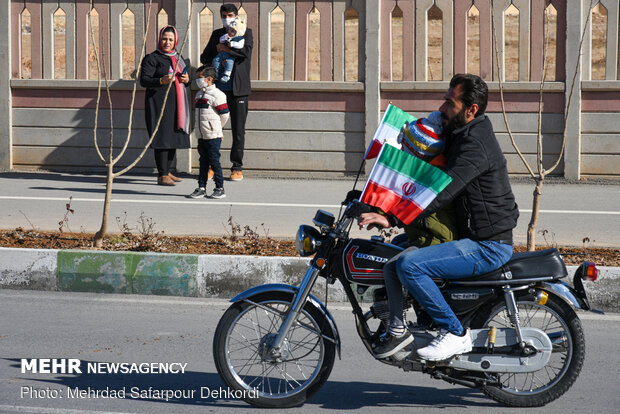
(158, 70)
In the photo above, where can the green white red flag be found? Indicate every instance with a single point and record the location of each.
(393, 120)
(402, 184)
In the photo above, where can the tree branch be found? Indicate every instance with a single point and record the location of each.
(572, 87)
(539, 137)
(501, 94)
(135, 85)
(92, 37)
(161, 114)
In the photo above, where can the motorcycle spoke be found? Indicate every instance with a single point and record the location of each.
(303, 347)
(551, 325)
(259, 334)
(551, 374)
(247, 341)
(248, 364)
(286, 374)
(301, 370)
(273, 321)
(524, 386)
(243, 344)
(245, 361)
(302, 343)
(264, 375)
(261, 377)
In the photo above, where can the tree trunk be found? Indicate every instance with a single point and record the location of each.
(531, 227)
(106, 207)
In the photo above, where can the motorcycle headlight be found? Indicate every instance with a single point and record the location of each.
(308, 240)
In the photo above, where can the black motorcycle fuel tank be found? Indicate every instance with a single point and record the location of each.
(363, 260)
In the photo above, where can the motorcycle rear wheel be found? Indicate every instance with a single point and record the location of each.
(560, 322)
(239, 350)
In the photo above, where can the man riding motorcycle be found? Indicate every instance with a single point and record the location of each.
(486, 213)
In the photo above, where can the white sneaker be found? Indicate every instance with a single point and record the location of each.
(446, 345)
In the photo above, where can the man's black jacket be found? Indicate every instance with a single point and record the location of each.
(483, 199)
(243, 58)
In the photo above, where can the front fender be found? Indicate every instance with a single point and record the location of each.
(281, 287)
(567, 293)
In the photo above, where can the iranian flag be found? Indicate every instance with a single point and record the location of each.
(393, 120)
(402, 184)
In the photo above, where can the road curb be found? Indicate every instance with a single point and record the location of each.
(208, 276)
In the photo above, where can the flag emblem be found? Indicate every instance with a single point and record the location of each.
(408, 188)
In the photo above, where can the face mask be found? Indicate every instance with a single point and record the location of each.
(201, 82)
(227, 21)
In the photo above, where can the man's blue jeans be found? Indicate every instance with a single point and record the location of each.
(454, 260)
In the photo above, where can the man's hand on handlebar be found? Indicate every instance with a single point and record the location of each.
(371, 220)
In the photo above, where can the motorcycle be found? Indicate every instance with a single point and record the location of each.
(278, 342)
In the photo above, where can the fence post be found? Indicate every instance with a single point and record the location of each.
(182, 10)
(372, 78)
(6, 116)
(572, 151)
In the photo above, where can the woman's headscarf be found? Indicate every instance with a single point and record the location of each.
(182, 112)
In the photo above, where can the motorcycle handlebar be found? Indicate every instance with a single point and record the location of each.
(356, 208)
(351, 196)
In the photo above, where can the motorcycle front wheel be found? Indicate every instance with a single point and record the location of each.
(241, 344)
(560, 322)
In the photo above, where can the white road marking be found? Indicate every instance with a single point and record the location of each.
(193, 202)
(46, 410)
(254, 204)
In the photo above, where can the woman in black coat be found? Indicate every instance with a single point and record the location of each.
(156, 73)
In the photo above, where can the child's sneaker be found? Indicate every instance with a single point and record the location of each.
(199, 192)
(226, 77)
(218, 193)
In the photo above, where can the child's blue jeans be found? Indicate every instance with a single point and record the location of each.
(227, 67)
(209, 150)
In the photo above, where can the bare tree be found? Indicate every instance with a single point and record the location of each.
(539, 173)
(111, 159)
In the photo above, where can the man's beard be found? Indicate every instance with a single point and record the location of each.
(458, 121)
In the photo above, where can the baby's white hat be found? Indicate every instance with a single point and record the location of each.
(239, 25)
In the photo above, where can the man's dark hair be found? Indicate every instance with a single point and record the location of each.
(207, 72)
(227, 8)
(475, 91)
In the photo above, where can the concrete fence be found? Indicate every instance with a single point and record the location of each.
(322, 72)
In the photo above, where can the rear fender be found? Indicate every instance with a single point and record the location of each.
(280, 287)
(567, 293)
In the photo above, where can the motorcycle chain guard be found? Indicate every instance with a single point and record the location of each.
(503, 363)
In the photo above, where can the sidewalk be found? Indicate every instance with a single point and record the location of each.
(570, 212)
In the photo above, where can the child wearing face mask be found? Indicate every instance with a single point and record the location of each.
(212, 113)
(223, 62)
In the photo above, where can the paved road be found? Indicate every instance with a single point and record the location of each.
(274, 206)
(115, 328)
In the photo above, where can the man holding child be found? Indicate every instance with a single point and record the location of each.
(485, 212)
(238, 91)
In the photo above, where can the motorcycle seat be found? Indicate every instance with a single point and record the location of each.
(526, 266)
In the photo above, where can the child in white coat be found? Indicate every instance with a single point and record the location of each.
(211, 115)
